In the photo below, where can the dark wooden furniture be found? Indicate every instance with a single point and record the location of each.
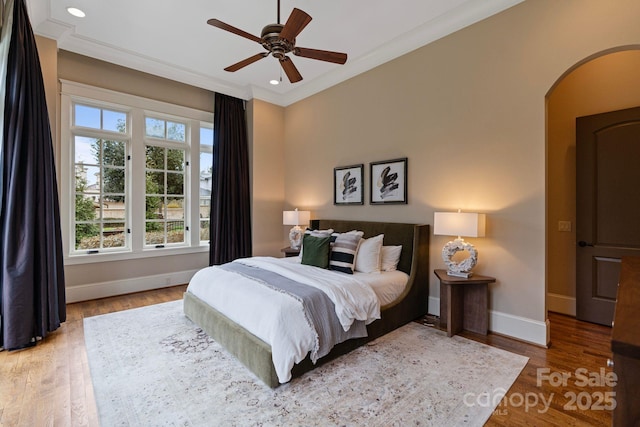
(288, 252)
(625, 344)
(464, 303)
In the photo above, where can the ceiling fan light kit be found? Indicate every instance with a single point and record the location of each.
(279, 40)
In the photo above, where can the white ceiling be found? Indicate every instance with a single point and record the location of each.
(171, 38)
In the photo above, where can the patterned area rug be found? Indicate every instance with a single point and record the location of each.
(153, 366)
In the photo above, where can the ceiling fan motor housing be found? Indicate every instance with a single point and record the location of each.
(275, 44)
(279, 46)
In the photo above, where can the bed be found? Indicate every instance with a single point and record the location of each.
(411, 303)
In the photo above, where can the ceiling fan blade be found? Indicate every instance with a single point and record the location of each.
(290, 70)
(322, 55)
(296, 23)
(223, 26)
(245, 62)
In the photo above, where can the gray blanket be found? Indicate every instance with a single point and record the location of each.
(318, 308)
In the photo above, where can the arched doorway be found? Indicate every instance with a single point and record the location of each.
(604, 82)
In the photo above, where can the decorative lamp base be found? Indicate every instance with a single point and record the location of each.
(462, 268)
(295, 237)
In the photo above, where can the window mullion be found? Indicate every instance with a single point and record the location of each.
(138, 180)
(194, 181)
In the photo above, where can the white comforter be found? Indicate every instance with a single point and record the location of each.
(243, 300)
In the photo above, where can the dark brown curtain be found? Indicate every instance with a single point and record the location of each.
(230, 229)
(32, 276)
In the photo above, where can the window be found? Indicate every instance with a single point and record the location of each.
(163, 129)
(165, 196)
(128, 188)
(99, 179)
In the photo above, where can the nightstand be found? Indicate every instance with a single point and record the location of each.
(290, 252)
(464, 303)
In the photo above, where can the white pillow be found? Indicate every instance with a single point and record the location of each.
(334, 235)
(390, 257)
(369, 256)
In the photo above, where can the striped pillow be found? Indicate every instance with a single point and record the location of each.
(343, 252)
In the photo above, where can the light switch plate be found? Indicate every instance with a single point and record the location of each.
(564, 225)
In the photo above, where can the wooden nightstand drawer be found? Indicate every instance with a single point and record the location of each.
(288, 252)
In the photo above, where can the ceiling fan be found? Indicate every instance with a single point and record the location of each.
(279, 40)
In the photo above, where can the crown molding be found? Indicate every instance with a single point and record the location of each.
(466, 14)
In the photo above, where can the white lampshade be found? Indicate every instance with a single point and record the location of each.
(461, 224)
(296, 217)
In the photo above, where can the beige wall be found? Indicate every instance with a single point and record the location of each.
(606, 83)
(47, 52)
(469, 113)
(266, 139)
(82, 69)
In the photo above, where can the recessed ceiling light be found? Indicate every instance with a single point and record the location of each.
(274, 82)
(76, 12)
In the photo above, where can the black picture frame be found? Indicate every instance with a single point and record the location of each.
(348, 185)
(388, 182)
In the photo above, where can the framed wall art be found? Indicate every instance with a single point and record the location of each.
(389, 182)
(348, 185)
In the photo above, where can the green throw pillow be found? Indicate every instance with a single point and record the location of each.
(316, 251)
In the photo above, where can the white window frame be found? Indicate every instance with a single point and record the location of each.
(125, 137)
(179, 145)
(204, 149)
(137, 107)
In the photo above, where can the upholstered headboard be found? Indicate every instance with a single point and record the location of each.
(394, 234)
(414, 260)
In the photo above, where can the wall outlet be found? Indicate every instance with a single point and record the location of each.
(564, 225)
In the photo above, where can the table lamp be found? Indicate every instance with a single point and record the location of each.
(295, 218)
(459, 224)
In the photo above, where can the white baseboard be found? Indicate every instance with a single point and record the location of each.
(434, 306)
(91, 291)
(522, 328)
(561, 304)
(517, 327)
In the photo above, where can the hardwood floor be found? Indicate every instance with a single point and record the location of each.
(578, 349)
(50, 384)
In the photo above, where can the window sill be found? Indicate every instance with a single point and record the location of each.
(122, 256)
